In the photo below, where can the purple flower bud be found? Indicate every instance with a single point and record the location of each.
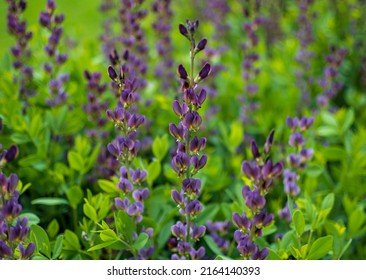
(175, 257)
(138, 176)
(255, 151)
(305, 123)
(112, 74)
(125, 185)
(45, 19)
(306, 154)
(200, 98)
(12, 153)
(195, 146)
(140, 195)
(198, 163)
(184, 248)
(192, 121)
(199, 254)
(294, 160)
(178, 197)
(180, 163)
(242, 222)
(269, 141)
(191, 186)
(180, 111)
(177, 132)
(59, 18)
(182, 73)
(260, 255)
(253, 199)
(205, 71)
(121, 204)
(198, 232)
(135, 209)
(192, 26)
(183, 30)
(179, 230)
(194, 208)
(262, 219)
(201, 45)
(27, 253)
(252, 172)
(296, 140)
(292, 189)
(5, 250)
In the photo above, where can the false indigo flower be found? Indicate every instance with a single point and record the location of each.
(20, 51)
(262, 173)
(297, 161)
(126, 146)
(162, 26)
(328, 83)
(13, 230)
(185, 161)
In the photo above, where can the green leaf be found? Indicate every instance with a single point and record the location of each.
(356, 220)
(107, 186)
(327, 131)
(153, 171)
(288, 239)
(40, 238)
(92, 158)
(212, 245)
(348, 120)
(101, 245)
(71, 241)
(50, 201)
(74, 195)
(208, 213)
(299, 222)
(20, 138)
(329, 119)
(90, 212)
(108, 235)
(334, 153)
(320, 248)
(328, 202)
(314, 170)
(125, 225)
(57, 247)
(160, 147)
(272, 255)
(141, 241)
(76, 161)
(53, 228)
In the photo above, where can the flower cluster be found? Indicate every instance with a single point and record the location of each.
(186, 161)
(13, 230)
(250, 70)
(125, 148)
(328, 83)
(304, 55)
(162, 26)
(20, 51)
(133, 38)
(297, 161)
(52, 22)
(261, 172)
